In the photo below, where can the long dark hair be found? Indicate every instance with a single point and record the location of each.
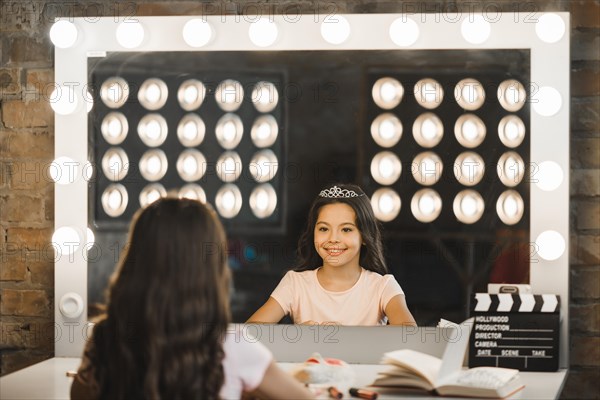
(371, 254)
(168, 307)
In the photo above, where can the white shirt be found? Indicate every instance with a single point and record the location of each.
(245, 363)
(302, 297)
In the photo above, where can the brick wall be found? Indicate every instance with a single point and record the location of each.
(584, 375)
(26, 198)
(27, 146)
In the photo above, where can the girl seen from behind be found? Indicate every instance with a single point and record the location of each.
(341, 277)
(164, 333)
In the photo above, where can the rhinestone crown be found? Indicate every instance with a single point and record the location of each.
(336, 192)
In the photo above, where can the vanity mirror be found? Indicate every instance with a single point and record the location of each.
(337, 79)
(438, 258)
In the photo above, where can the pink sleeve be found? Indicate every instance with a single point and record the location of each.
(284, 292)
(392, 288)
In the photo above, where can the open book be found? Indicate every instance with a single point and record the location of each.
(413, 369)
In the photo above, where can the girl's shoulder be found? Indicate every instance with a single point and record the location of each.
(300, 277)
(386, 285)
(375, 277)
(307, 274)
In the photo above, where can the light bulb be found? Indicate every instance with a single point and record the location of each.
(190, 94)
(550, 245)
(263, 200)
(63, 170)
(386, 129)
(65, 240)
(190, 130)
(63, 34)
(335, 29)
(114, 200)
(197, 32)
(475, 29)
(547, 101)
(263, 132)
(550, 28)
(386, 204)
(263, 33)
(130, 34)
(548, 175)
(428, 129)
(63, 100)
(426, 205)
(228, 201)
(190, 166)
(404, 31)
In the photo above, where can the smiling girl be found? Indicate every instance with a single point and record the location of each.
(342, 276)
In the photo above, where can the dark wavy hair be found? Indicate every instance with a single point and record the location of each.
(168, 308)
(371, 254)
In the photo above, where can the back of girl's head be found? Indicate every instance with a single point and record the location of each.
(371, 255)
(176, 248)
(168, 306)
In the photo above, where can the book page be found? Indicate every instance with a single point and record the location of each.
(482, 382)
(398, 371)
(486, 377)
(455, 352)
(403, 382)
(422, 364)
(444, 323)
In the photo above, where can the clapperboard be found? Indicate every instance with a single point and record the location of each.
(515, 331)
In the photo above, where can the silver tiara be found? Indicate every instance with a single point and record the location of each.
(336, 192)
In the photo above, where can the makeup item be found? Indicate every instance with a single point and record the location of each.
(363, 394)
(334, 393)
(71, 374)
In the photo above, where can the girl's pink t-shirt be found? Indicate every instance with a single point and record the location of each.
(302, 297)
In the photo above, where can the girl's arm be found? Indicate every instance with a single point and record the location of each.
(270, 313)
(397, 311)
(277, 384)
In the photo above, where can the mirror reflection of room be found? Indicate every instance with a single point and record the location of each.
(341, 277)
(441, 157)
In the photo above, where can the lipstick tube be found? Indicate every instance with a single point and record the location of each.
(363, 394)
(334, 393)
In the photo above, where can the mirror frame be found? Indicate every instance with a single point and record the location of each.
(549, 210)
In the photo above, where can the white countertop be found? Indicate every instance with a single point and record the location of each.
(48, 381)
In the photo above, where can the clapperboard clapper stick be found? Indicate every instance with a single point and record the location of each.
(515, 331)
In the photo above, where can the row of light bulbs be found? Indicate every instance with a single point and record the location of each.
(468, 205)
(228, 200)
(427, 168)
(469, 93)
(154, 92)
(335, 30)
(191, 130)
(428, 130)
(191, 165)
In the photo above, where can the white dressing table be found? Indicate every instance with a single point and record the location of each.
(47, 380)
(362, 347)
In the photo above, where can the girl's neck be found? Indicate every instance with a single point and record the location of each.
(345, 273)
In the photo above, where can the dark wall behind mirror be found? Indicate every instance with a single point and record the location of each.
(324, 119)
